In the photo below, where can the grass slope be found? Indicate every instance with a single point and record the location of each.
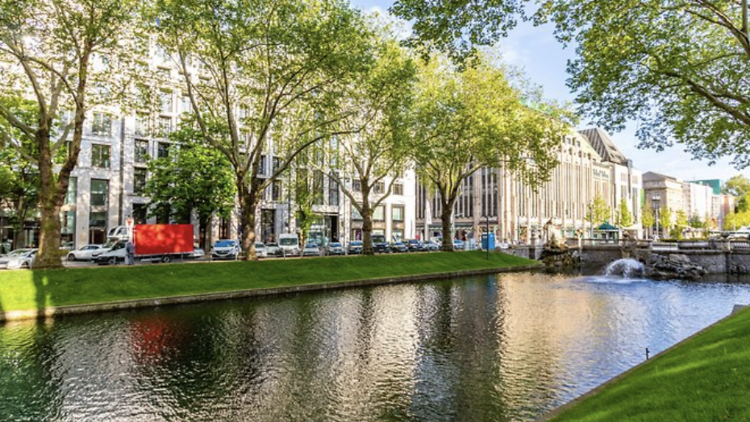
(703, 379)
(24, 289)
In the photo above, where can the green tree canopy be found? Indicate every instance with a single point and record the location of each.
(193, 178)
(599, 211)
(465, 120)
(264, 73)
(647, 217)
(624, 217)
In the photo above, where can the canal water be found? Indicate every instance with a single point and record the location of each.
(493, 348)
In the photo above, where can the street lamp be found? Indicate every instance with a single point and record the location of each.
(655, 201)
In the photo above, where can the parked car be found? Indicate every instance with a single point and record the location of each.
(272, 249)
(260, 250)
(19, 258)
(335, 248)
(289, 244)
(458, 245)
(415, 245)
(432, 246)
(84, 253)
(311, 249)
(198, 253)
(355, 247)
(225, 248)
(379, 244)
(399, 247)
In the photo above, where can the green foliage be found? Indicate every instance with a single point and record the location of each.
(623, 215)
(194, 177)
(598, 211)
(696, 222)
(681, 219)
(665, 218)
(647, 217)
(689, 59)
(257, 71)
(464, 120)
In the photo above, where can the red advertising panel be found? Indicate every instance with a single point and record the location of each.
(156, 239)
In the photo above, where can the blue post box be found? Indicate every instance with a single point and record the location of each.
(488, 238)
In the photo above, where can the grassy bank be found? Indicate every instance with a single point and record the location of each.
(24, 289)
(703, 379)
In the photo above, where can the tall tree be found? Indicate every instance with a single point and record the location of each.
(624, 217)
(48, 50)
(739, 186)
(465, 120)
(599, 211)
(270, 75)
(647, 217)
(688, 58)
(192, 178)
(377, 150)
(665, 219)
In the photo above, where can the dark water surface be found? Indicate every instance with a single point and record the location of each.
(499, 348)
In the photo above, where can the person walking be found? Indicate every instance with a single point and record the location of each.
(130, 253)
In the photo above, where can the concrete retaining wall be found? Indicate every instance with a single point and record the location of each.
(714, 261)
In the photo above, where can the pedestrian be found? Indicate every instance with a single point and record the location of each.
(130, 253)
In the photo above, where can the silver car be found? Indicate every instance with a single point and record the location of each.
(19, 258)
(85, 253)
(260, 250)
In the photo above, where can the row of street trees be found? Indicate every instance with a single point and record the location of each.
(311, 83)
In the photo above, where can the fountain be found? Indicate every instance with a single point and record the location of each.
(625, 267)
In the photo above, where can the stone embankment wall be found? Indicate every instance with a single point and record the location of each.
(714, 261)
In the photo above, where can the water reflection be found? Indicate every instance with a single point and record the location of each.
(488, 348)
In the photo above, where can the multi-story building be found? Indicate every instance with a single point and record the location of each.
(108, 182)
(516, 213)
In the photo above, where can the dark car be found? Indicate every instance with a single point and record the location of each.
(379, 244)
(355, 247)
(415, 245)
(399, 247)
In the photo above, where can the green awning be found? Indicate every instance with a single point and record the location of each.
(607, 226)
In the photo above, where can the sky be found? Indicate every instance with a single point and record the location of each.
(543, 60)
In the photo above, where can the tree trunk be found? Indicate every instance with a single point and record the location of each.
(249, 199)
(445, 219)
(367, 232)
(50, 202)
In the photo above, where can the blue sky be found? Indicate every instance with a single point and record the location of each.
(535, 50)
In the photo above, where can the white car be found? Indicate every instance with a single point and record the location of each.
(260, 250)
(311, 249)
(272, 249)
(19, 258)
(85, 253)
(225, 248)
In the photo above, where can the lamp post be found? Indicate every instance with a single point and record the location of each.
(655, 201)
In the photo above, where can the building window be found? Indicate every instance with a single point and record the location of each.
(141, 151)
(100, 156)
(274, 164)
(163, 151)
(165, 101)
(165, 126)
(333, 192)
(99, 192)
(139, 180)
(378, 214)
(185, 106)
(141, 124)
(398, 189)
(140, 211)
(356, 215)
(379, 187)
(262, 167)
(276, 190)
(98, 219)
(102, 124)
(397, 214)
(356, 186)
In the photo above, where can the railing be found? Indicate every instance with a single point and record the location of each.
(711, 244)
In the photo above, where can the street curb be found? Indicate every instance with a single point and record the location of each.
(52, 312)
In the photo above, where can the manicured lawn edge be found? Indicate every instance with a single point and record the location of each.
(115, 288)
(701, 378)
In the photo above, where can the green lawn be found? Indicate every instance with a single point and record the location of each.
(706, 378)
(28, 290)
